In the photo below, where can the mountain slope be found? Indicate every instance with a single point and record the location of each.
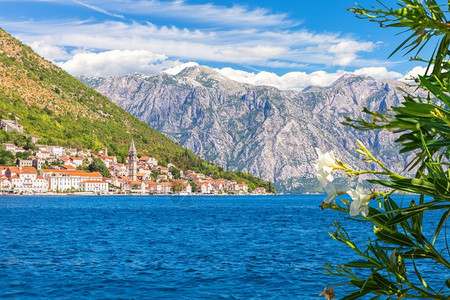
(61, 110)
(262, 130)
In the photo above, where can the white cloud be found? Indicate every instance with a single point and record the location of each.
(345, 52)
(210, 14)
(378, 73)
(351, 47)
(96, 8)
(257, 38)
(49, 50)
(287, 49)
(288, 81)
(415, 72)
(236, 16)
(300, 80)
(117, 62)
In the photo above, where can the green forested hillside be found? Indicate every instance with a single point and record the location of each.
(59, 109)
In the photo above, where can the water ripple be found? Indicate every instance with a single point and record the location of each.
(157, 247)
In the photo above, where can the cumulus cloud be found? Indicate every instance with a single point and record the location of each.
(288, 81)
(234, 35)
(415, 72)
(346, 51)
(49, 50)
(378, 73)
(300, 80)
(116, 62)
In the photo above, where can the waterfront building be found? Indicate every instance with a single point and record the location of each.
(259, 190)
(26, 180)
(96, 186)
(68, 180)
(154, 187)
(5, 184)
(241, 188)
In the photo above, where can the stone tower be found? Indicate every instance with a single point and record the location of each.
(132, 162)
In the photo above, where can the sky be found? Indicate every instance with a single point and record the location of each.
(289, 44)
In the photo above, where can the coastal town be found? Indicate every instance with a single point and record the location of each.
(138, 175)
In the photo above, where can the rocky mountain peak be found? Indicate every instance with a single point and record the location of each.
(208, 78)
(258, 129)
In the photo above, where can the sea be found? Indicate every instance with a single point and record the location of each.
(174, 247)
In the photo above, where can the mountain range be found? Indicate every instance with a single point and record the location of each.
(262, 130)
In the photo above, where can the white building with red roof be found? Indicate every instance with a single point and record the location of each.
(76, 161)
(68, 180)
(96, 186)
(5, 184)
(56, 151)
(26, 180)
(205, 187)
(153, 187)
(147, 161)
(241, 188)
(109, 161)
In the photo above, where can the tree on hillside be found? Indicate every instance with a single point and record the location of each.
(394, 263)
(97, 165)
(7, 158)
(176, 173)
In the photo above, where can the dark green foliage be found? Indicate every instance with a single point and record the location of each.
(401, 241)
(23, 155)
(7, 158)
(17, 139)
(154, 175)
(194, 186)
(178, 187)
(175, 173)
(97, 165)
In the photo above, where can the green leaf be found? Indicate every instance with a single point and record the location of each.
(394, 237)
(387, 286)
(362, 264)
(402, 217)
(424, 283)
(438, 143)
(440, 225)
(417, 253)
(435, 90)
(355, 295)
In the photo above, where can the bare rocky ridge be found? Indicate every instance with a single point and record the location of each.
(267, 132)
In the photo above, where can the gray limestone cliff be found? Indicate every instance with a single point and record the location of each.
(267, 132)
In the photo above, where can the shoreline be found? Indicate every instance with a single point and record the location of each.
(135, 194)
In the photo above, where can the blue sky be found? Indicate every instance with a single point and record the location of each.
(287, 44)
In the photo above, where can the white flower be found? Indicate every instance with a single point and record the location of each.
(331, 192)
(360, 202)
(325, 167)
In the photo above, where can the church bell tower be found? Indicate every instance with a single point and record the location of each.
(132, 162)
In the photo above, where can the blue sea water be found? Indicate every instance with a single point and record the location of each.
(170, 247)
